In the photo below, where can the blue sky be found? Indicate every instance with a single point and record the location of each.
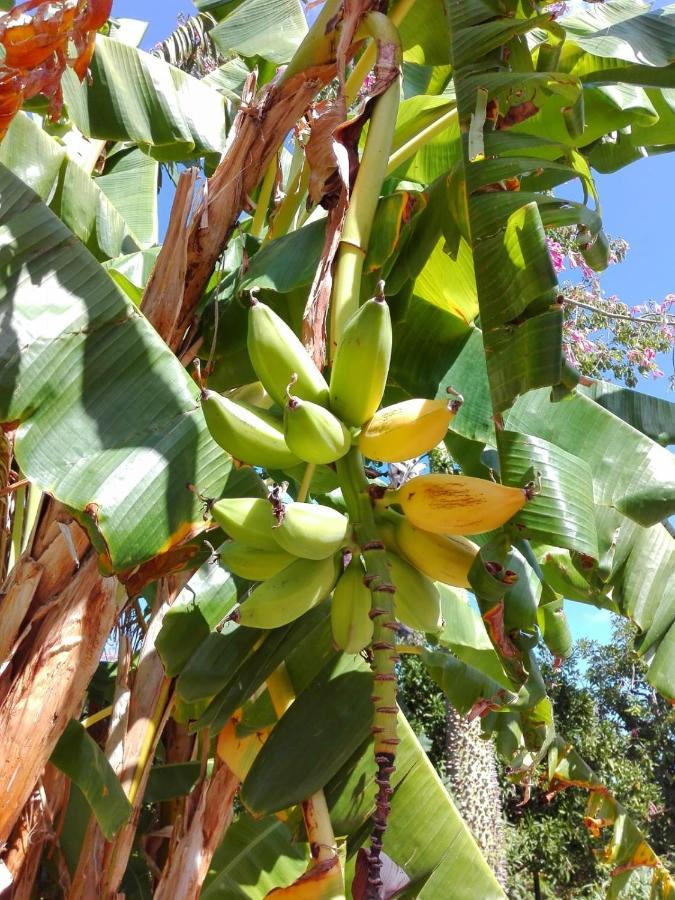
(637, 204)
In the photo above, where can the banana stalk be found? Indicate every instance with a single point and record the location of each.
(355, 491)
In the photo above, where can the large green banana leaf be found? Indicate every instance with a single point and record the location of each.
(259, 28)
(254, 857)
(134, 96)
(107, 213)
(653, 416)
(110, 422)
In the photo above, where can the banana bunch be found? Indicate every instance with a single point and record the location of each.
(321, 422)
(291, 416)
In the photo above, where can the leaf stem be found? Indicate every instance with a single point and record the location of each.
(260, 216)
(366, 193)
(281, 222)
(303, 490)
(429, 132)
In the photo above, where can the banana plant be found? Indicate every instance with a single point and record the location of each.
(210, 580)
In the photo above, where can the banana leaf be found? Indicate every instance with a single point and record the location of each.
(110, 423)
(134, 96)
(653, 416)
(96, 216)
(259, 28)
(255, 857)
(83, 761)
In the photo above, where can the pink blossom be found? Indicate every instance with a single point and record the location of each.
(557, 254)
(648, 356)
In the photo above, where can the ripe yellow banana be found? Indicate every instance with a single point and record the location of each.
(416, 601)
(407, 429)
(276, 353)
(289, 594)
(441, 558)
(248, 520)
(361, 363)
(240, 752)
(251, 435)
(253, 563)
(350, 608)
(458, 504)
(313, 433)
(312, 531)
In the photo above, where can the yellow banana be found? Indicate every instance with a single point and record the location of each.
(312, 531)
(349, 611)
(441, 558)
(249, 434)
(313, 433)
(240, 752)
(289, 594)
(407, 429)
(361, 363)
(416, 601)
(458, 504)
(248, 520)
(253, 563)
(276, 353)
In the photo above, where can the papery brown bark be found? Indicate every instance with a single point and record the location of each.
(57, 665)
(259, 129)
(37, 827)
(89, 871)
(149, 707)
(189, 860)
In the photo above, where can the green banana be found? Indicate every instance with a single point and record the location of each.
(289, 594)
(247, 519)
(361, 363)
(555, 628)
(276, 353)
(416, 601)
(313, 433)
(248, 433)
(312, 531)
(253, 563)
(349, 611)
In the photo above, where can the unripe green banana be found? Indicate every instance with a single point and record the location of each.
(350, 608)
(312, 531)
(253, 563)
(555, 628)
(313, 433)
(416, 601)
(254, 394)
(249, 434)
(247, 519)
(276, 353)
(361, 363)
(289, 594)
